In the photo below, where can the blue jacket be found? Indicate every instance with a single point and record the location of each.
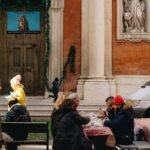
(122, 126)
(18, 113)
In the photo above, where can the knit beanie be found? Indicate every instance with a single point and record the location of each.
(118, 100)
(15, 80)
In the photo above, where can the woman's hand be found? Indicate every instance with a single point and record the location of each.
(102, 113)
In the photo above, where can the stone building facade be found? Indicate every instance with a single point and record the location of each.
(108, 60)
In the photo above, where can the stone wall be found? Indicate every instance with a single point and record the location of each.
(129, 58)
(72, 36)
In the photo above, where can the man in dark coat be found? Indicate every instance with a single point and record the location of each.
(110, 111)
(17, 113)
(123, 123)
(66, 127)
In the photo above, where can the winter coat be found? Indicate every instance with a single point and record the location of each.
(67, 131)
(55, 87)
(19, 91)
(18, 113)
(122, 126)
(111, 113)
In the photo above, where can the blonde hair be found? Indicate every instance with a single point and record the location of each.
(59, 101)
(130, 103)
(64, 98)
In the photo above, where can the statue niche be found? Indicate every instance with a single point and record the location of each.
(134, 16)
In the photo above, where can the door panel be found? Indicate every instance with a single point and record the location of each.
(15, 59)
(24, 60)
(30, 67)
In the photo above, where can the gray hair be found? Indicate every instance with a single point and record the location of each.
(72, 96)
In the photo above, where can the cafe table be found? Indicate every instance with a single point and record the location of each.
(100, 136)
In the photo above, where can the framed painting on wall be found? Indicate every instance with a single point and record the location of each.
(23, 22)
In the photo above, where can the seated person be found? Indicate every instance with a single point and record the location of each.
(123, 123)
(66, 125)
(17, 113)
(110, 111)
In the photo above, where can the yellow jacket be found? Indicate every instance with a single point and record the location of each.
(21, 97)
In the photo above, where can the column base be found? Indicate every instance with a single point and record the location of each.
(95, 91)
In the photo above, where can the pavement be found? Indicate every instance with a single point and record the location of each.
(32, 147)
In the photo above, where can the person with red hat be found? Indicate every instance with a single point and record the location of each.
(110, 111)
(123, 123)
(118, 100)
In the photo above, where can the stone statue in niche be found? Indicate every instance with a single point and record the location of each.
(134, 16)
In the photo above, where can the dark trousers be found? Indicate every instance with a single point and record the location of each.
(98, 143)
(11, 147)
(55, 96)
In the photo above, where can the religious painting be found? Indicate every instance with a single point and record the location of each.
(23, 22)
(133, 20)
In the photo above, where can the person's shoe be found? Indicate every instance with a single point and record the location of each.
(117, 148)
(50, 96)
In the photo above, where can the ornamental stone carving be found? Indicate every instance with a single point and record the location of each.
(134, 16)
(133, 21)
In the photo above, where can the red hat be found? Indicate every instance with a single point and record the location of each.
(118, 100)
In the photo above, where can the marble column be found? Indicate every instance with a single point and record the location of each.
(108, 39)
(84, 48)
(94, 85)
(96, 38)
(56, 39)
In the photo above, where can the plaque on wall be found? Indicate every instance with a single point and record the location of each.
(133, 20)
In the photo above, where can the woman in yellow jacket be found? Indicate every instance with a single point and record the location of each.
(18, 89)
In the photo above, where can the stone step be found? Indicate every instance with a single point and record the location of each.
(46, 114)
(86, 110)
(47, 106)
(50, 108)
(39, 107)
